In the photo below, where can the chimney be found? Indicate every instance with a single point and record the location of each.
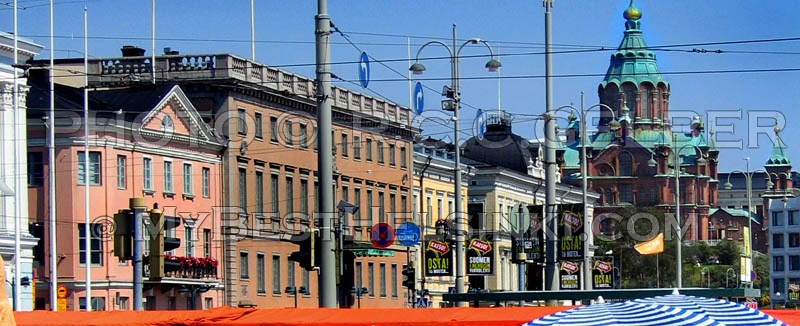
(132, 51)
(169, 51)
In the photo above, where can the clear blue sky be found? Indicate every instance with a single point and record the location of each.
(285, 29)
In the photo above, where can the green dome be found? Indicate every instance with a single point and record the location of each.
(778, 156)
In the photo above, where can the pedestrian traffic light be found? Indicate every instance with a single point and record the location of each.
(308, 251)
(409, 277)
(123, 234)
(160, 243)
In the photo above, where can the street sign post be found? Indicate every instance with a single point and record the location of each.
(363, 69)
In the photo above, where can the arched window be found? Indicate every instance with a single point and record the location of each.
(166, 123)
(646, 103)
(625, 164)
(630, 96)
(657, 93)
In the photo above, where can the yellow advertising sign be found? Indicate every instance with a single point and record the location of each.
(747, 248)
(653, 246)
(62, 304)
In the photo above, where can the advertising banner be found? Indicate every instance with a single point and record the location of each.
(794, 291)
(603, 274)
(480, 257)
(532, 241)
(570, 276)
(570, 232)
(438, 258)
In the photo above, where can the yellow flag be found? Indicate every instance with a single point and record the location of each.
(653, 246)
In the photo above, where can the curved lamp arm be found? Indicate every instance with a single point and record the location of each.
(450, 51)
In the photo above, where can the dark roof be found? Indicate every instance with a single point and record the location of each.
(501, 147)
(133, 101)
(759, 180)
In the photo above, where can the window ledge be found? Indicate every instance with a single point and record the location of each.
(148, 191)
(188, 196)
(169, 194)
(277, 294)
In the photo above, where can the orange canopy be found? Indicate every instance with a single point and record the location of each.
(512, 316)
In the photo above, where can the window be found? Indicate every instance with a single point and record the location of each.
(356, 147)
(630, 97)
(369, 150)
(288, 133)
(793, 218)
(206, 182)
(276, 274)
(290, 281)
(273, 129)
(392, 204)
(777, 218)
(243, 189)
(333, 142)
(171, 303)
(625, 194)
(260, 274)
(380, 152)
(150, 303)
(304, 136)
(305, 279)
(147, 173)
(794, 240)
(625, 164)
(383, 280)
(259, 191)
(209, 303)
(304, 196)
(392, 161)
(779, 286)
(273, 200)
(381, 207)
(167, 124)
(359, 275)
(403, 158)
(404, 203)
(123, 303)
(95, 241)
(439, 209)
(345, 146)
(35, 169)
(316, 197)
(289, 195)
(369, 207)
(646, 103)
(121, 184)
(371, 279)
(242, 122)
(168, 177)
(206, 242)
(244, 266)
(94, 168)
(357, 203)
(188, 185)
(98, 303)
(777, 240)
(429, 209)
(394, 280)
(794, 263)
(259, 125)
(777, 264)
(188, 234)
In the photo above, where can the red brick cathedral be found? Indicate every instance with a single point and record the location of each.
(632, 155)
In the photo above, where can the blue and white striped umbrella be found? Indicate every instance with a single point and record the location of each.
(624, 313)
(723, 311)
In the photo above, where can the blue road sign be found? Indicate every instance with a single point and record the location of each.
(407, 234)
(419, 99)
(422, 302)
(363, 69)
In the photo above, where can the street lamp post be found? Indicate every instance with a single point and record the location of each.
(748, 178)
(677, 167)
(417, 68)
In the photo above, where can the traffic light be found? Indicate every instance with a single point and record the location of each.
(305, 255)
(409, 277)
(160, 243)
(123, 234)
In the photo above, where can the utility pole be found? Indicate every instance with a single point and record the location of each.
(86, 166)
(551, 270)
(138, 207)
(253, 35)
(327, 272)
(18, 186)
(459, 221)
(51, 172)
(587, 221)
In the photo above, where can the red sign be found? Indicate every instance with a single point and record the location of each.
(61, 291)
(438, 247)
(382, 235)
(572, 220)
(602, 266)
(751, 304)
(569, 267)
(482, 246)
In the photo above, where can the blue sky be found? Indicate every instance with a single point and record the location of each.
(285, 29)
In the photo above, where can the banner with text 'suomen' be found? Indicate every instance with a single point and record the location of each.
(438, 258)
(480, 257)
(570, 232)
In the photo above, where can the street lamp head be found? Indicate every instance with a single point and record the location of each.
(614, 125)
(652, 162)
(417, 68)
(493, 65)
(728, 186)
(769, 183)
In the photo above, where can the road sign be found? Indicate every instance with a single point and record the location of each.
(61, 305)
(419, 99)
(61, 291)
(407, 234)
(753, 276)
(422, 303)
(363, 69)
(382, 235)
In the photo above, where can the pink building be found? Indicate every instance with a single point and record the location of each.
(145, 141)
